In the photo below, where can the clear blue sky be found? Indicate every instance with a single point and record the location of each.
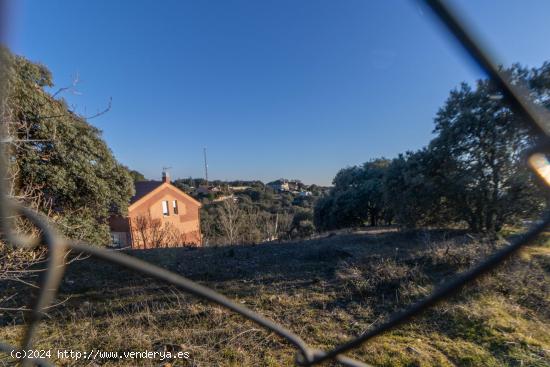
(295, 89)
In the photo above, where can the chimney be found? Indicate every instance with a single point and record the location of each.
(165, 176)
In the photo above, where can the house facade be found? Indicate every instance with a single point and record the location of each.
(279, 185)
(159, 215)
(285, 185)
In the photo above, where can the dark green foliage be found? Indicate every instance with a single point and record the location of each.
(136, 175)
(472, 173)
(302, 224)
(256, 213)
(60, 157)
(479, 148)
(261, 195)
(356, 198)
(186, 184)
(414, 190)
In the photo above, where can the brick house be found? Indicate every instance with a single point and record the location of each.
(159, 215)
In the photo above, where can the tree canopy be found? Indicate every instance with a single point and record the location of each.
(357, 197)
(57, 155)
(471, 173)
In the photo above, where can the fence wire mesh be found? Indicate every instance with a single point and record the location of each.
(516, 95)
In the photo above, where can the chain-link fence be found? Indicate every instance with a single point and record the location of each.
(517, 97)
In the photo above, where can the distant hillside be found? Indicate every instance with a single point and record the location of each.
(247, 212)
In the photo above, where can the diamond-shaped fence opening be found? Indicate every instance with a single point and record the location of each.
(517, 97)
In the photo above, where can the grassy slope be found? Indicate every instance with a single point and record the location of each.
(325, 290)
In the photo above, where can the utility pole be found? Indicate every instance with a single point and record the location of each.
(205, 167)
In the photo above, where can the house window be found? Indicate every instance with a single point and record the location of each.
(165, 208)
(175, 206)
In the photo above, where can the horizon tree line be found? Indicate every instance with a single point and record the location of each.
(472, 174)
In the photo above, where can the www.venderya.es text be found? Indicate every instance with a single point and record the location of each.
(99, 354)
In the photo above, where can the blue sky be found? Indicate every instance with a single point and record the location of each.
(294, 89)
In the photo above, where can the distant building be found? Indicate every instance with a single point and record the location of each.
(159, 215)
(279, 185)
(285, 185)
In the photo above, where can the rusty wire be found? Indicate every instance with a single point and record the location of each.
(516, 96)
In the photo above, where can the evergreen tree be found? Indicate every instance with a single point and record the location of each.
(58, 155)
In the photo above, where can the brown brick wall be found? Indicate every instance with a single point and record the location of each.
(149, 228)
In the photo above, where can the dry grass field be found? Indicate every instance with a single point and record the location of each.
(326, 290)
